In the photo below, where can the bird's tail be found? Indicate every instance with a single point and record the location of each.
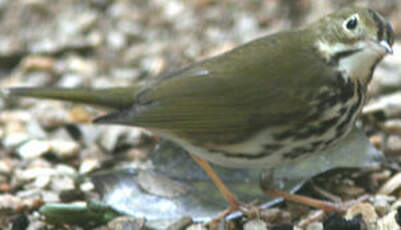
(114, 98)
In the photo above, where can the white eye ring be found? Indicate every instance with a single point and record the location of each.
(351, 23)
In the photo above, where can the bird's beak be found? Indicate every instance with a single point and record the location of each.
(386, 45)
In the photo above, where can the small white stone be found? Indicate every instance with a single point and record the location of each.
(64, 149)
(6, 166)
(391, 185)
(33, 149)
(14, 139)
(41, 182)
(32, 173)
(10, 202)
(81, 66)
(255, 225)
(50, 197)
(70, 80)
(35, 130)
(60, 183)
(116, 40)
(111, 136)
(315, 226)
(65, 170)
(88, 165)
(197, 227)
(173, 9)
(87, 186)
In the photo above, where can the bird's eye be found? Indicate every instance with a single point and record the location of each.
(351, 23)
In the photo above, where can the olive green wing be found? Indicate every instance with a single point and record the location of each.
(229, 97)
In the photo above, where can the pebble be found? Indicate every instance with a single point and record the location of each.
(64, 148)
(33, 149)
(255, 224)
(392, 126)
(90, 133)
(15, 116)
(51, 117)
(6, 166)
(87, 186)
(38, 63)
(16, 204)
(38, 79)
(14, 139)
(197, 227)
(60, 183)
(391, 185)
(130, 74)
(37, 148)
(80, 114)
(72, 24)
(390, 105)
(10, 47)
(111, 136)
(393, 145)
(35, 130)
(273, 215)
(315, 226)
(70, 80)
(10, 202)
(155, 65)
(88, 165)
(246, 26)
(41, 182)
(81, 66)
(45, 46)
(116, 40)
(63, 169)
(173, 9)
(50, 196)
(39, 163)
(33, 173)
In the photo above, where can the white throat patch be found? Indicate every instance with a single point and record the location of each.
(356, 66)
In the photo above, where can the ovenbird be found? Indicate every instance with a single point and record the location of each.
(273, 100)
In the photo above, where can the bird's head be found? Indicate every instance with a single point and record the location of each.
(353, 30)
(354, 39)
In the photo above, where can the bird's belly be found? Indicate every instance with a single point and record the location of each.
(279, 145)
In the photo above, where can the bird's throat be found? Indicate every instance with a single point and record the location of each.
(355, 62)
(359, 65)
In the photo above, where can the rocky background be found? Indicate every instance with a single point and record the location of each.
(101, 43)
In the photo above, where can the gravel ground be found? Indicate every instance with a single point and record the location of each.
(101, 43)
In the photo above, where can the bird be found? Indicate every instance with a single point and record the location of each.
(277, 99)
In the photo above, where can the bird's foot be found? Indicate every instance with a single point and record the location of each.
(267, 186)
(248, 210)
(326, 206)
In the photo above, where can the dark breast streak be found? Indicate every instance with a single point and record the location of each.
(340, 125)
(312, 130)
